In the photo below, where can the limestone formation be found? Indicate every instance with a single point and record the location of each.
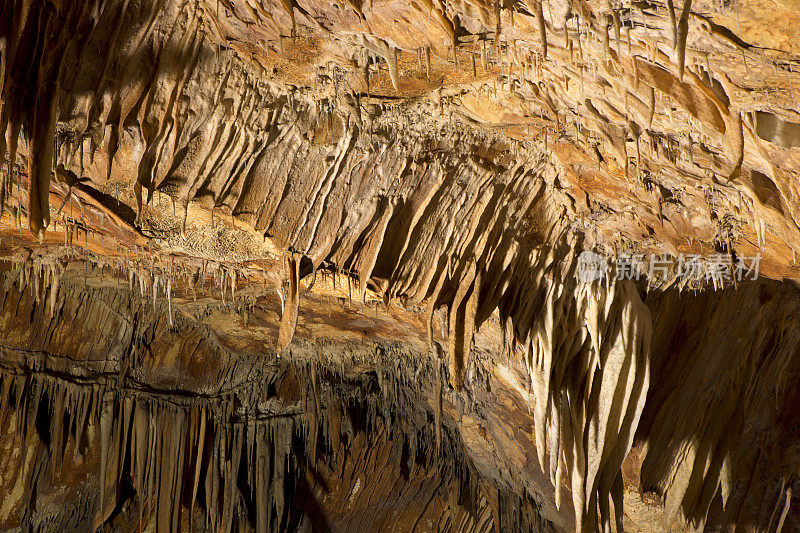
(208, 366)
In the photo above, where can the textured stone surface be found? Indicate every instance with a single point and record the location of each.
(214, 211)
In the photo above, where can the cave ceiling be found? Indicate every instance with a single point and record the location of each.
(253, 250)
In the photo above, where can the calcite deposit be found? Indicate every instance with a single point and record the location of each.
(321, 265)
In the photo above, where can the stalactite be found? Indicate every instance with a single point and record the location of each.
(682, 33)
(542, 29)
(290, 311)
(169, 299)
(673, 24)
(462, 324)
(651, 106)
(736, 142)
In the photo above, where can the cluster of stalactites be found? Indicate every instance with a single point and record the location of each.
(42, 273)
(157, 273)
(170, 450)
(587, 354)
(156, 276)
(586, 348)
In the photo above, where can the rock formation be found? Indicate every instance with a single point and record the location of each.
(314, 264)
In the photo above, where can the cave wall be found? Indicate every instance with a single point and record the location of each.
(363, 139)
(245, 432)
(336, 435)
